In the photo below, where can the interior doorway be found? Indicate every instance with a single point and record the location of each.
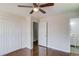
(35, 50)
(39, 37)
(35, 34)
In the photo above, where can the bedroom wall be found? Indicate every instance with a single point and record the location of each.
(58, 33)
(58, 30)
(10, 32)
(74, 22)
(42, 32)
(26, 32)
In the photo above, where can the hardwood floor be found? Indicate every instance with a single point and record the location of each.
(74, 54)
(38, 51)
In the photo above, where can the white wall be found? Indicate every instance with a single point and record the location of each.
(27, 33)
(74, 22)
(15, 32)
(10, 33)
(58, 30)
(42, 33)
(58, 33)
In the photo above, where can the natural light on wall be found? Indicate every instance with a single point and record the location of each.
(72, 23)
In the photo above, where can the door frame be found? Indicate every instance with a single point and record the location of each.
(33, 20)
(37, 20)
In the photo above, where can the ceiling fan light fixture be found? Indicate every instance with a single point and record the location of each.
(36, 9)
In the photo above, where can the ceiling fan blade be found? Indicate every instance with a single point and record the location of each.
(24, 6)
(31, 12)
(42, 11)
(47, 5)
(35, 5)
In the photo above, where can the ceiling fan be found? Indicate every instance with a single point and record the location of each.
(36, 7)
